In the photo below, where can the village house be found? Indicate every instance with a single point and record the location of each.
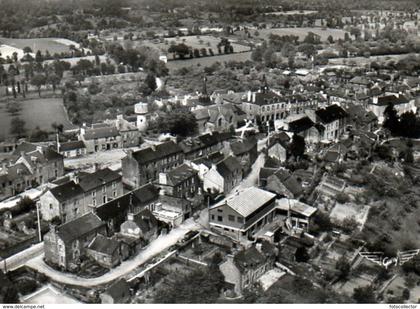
(203, 145)
(78, 197)
(245, 150)
(245, 267)
(130, 134)
(401, 104)
(297, 216)
(64, 245)
(142, 225)
(218, 118)
(222, 177)
(204, 164)
(104, 251)
(100, 186)
(300, 125)
(144, 166)
(283, 183)
(101, 137)
(332, 120)
(182, 182)
(243, 214)
(72, 149)
(114, 213)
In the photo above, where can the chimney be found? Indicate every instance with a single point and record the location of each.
(375, 100)
(163, 178)
(249, 96)
(253, 97)
(96, 167)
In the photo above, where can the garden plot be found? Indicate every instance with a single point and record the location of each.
(350, 210)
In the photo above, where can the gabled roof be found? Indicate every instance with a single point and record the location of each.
(140, 197)
(145, 220)
(243, 146)
(94, 180)
(266, 98)
(67, 191)
(160, 151)
(288, 180)
(104, 245)
(391, 99)
(101, 132)
(300, 125)
(331, 113)
(72, 145)
(79, 227)
(203, 141)
(228, 166)
(247, 201)
(180, 174)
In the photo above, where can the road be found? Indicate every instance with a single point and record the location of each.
(125, 268)
(252, 179)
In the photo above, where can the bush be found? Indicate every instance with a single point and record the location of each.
(342, 198)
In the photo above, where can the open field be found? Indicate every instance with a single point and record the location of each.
(195, 42)
(302, 32)
(365, 61)
(207, 61)
(42, 112)
(294, 12)
(53, 45)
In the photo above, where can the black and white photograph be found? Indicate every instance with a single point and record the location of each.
(219, 152)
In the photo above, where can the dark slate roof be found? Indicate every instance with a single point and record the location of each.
(94, 180)
(331, 113)
(249, 258)
(161, 151)
(243, 146)
(266, 172)
(203, 141)
(139, 197)
(300, 125)
(180, 174)
(104, 245)
(47, 154)
(72, 145)
(289, 181)
(213, 158)
(391, 99)
(79, 227)
(101, 132)
(266, 98)
(66, 191)
(228, 166)
(145, 220)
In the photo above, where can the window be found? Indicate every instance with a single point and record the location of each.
(231, 218)
(51, 206)
(114, 194)
(219, 218)
(104, 189)
(220, 210)
(240, 219)
(94, 194)
(114, 184)
(104, 199)
(212, 217)
(94, 202)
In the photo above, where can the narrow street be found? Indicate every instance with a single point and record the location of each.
(154, 248)
(252, 179)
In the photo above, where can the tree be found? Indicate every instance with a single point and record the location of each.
(301, 255)
(178, 123)
(38, 81)
(343, 267)
(330, 39)
(38, 57)
(17, 127)
(408, 124)
(199, 286)
(297, 146)
(364, 295)
(307, 49)
(150, 81)
(391, 121)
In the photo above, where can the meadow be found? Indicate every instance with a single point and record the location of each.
(41, 112)
(53, 45)
(324, 33)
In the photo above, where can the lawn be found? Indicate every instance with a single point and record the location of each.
(35, 112)
(302, 32)
(208, 61)
(53, 45)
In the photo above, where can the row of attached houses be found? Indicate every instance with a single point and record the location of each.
(30, 166)
(107, 234)
(77, 197)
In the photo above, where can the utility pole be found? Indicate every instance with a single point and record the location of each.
(39, 222)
